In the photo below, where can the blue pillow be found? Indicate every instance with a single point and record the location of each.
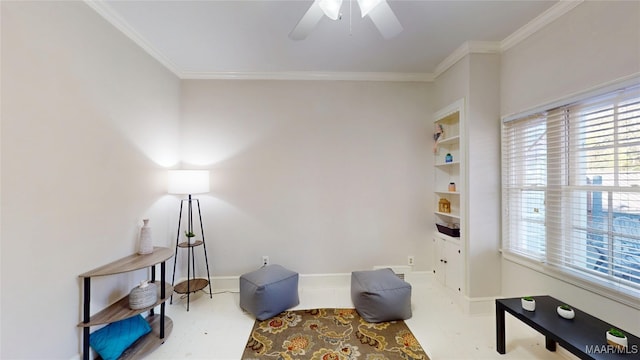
(110, 341)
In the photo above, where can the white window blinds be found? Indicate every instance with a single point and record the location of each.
(571, 187)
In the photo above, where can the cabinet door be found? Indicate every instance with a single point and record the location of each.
(439, 268)
(454, 266)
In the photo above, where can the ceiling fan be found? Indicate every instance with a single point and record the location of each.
(378, 10)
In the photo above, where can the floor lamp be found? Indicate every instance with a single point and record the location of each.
(188, 182)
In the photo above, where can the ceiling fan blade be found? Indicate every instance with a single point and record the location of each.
(308, 22)
(385, 20)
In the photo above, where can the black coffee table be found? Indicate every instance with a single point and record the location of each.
(584, 336)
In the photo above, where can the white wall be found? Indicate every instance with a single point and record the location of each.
(476, 79)
(595, 43)
(89, 120)
(483, 174)
(322, 176)
(452, 84)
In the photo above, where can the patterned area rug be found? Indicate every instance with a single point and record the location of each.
(330, 334)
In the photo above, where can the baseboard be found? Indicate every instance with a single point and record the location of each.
(330, 280)
(324, 280)
(418, 277)
(232, 283)
(225, 283)
(478, 305)
(470, 305)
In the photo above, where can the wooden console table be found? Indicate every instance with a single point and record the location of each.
(583, 336)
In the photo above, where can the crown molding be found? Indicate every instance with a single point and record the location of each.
(468, 47)
(119, 23)
(554, 12)
(311, 75)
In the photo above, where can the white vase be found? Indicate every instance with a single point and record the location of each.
(567, 314)
(620, 343)
(529, 305)
(146, 244)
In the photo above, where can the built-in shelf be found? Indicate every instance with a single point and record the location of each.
(453, 216)
(448, 164)
(453, 140)
(445, 192)
(448, 252)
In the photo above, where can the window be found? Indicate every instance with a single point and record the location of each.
(571, 188)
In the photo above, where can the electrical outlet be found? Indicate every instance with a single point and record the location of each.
(410, 260)
(265, 260)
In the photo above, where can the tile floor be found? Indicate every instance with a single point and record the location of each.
(218, 329)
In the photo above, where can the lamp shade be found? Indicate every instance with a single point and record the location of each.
(188, 181)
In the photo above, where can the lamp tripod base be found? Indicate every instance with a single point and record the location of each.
(192, 284)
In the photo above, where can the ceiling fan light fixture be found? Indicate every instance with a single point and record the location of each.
(331, 8)
(368, 5)
(379, 12)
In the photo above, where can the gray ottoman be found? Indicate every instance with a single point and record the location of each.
(380, 295)
(269, 291)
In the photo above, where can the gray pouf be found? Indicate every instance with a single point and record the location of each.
(269, 291)
(380, 295)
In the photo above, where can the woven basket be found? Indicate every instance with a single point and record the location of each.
(142, 296)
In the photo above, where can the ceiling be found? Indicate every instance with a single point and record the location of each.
(205, 38)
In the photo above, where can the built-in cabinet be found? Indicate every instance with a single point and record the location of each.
(448, 262)
(449, 197)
